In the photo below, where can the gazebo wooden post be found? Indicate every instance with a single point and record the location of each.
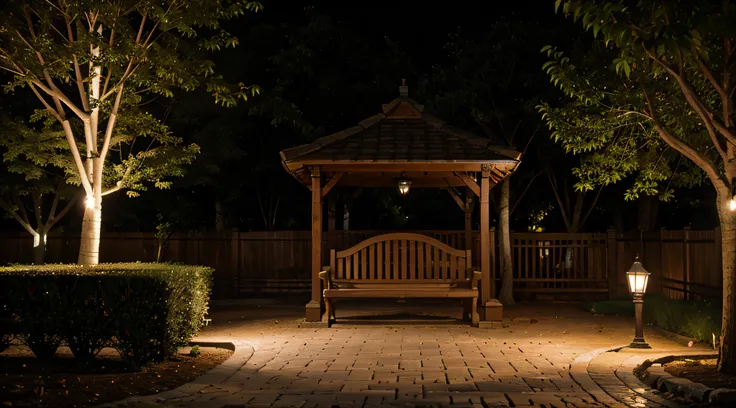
(314, 307)
(331, 222)
(485, 250)
(468, 219)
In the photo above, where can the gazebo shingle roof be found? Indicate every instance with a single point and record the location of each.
(403, 133)
(405, 140)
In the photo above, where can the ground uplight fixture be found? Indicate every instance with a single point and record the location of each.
(638, 278)
(732, 203)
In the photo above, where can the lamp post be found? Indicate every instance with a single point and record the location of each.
(638, 278)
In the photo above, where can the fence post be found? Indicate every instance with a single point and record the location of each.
(612, 263)
(232, 291)
(686, 263)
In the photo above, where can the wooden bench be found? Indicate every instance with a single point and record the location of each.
(398, 266)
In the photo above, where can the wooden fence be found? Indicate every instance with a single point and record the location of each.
(684, 264)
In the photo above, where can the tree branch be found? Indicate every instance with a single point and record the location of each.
(37, 208)
(523, 193)
(591, 207)
(685, 149)
(111, 123)
(77, 157)
(119, 185)
(700, 108)
(709, 75)
(553, 184)
(57, 196)
(69, 205)
(700, 160)
(5, 206)
(21, 210)
(80, 85)
(49, 109)
(58, 94)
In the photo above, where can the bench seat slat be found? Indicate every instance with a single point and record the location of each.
(398, 293)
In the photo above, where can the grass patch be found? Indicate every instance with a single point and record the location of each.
(698, 320)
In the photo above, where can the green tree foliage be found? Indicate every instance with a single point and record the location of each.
(36, 167)
(600, 124)
(94, 64)
(657, 85)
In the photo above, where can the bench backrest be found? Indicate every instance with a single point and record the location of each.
(401, 257)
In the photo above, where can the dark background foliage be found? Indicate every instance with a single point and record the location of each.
(326, 65)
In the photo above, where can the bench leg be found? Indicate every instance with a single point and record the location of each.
(329, 316)
(474, 317)
(467, 309)
(328, 312)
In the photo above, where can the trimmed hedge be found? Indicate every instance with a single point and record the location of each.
(144, 310)
(698, 320)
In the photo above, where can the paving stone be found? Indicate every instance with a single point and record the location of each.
(289, 401)
(417, 366)
(496, 386)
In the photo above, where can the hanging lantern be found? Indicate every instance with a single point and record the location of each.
(404, 186)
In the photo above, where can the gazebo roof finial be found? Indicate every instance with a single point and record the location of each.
(403, 89)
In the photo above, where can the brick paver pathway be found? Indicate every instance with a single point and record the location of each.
(548, 356)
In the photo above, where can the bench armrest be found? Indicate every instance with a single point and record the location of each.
(475, 279)
(326, 275)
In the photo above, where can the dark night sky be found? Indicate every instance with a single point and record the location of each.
(420, 28)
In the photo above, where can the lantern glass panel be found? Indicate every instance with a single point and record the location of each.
(638, 282)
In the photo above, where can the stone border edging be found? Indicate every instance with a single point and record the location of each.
(656, 377)
(625, 374)
(242, 352)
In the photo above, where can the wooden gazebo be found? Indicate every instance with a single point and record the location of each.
(403, 142)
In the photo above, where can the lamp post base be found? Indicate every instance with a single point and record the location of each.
(639, 343)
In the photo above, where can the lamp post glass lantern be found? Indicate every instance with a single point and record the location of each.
(638, 278)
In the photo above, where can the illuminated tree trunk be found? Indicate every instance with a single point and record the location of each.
(39, 248)
(727, 352)
(506, 295)
(89, 244)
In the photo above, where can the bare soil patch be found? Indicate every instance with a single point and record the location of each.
(65, 382)
(701, 371)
